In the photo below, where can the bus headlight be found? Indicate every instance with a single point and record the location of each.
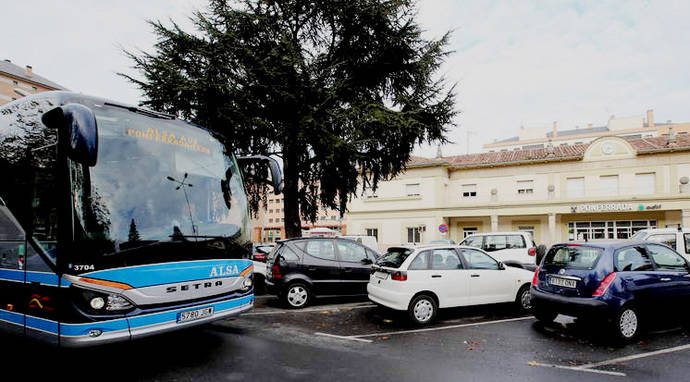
(116, 302)
(103, 302)
(247, 284)
(97, 303)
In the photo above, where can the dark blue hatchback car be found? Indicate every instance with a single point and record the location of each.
(620, 282)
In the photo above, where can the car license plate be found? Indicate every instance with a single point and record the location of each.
(192, 315)
(381, 275)
(561, 282)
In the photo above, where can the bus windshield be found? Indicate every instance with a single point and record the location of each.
(155, 181)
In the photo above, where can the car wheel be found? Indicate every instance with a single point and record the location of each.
(422, 309)
(296, 295)
(626, 324)
(544, 317)
(524, 299)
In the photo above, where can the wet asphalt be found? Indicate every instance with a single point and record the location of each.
(357, 341)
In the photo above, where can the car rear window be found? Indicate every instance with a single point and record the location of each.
(394, 257)
(571, 256)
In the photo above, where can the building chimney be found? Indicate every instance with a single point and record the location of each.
(650, 118)
(671, 138)
(555, 128)
(29, 70)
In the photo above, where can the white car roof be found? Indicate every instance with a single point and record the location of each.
(664, 230)
(499, 233)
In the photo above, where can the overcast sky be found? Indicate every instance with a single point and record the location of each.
(516, 63)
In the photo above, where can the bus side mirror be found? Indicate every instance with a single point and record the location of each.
(254, 170)
(77, 124)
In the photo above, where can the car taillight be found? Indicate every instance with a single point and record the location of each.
(275, 271)
(260, 256)
(535, 279)
(605, 284)
(532, 251)
(399, 276)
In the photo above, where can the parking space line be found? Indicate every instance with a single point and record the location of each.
(578, 368)
(442, 327)
(351, 338)
(311, 310)
(636, 356)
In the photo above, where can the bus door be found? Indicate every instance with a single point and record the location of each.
(42, 294)
(12, 286)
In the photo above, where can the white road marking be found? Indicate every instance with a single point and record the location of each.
(578, 368)
(636, 356)
(442, 327)
(350, 338)
(590, 367)
(264, 311)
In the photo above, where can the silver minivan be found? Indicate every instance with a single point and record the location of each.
(508, 247)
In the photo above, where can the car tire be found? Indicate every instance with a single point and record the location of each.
(422, 309)
(543, 316)
(626, 324)
(524, 299)
(296, 295)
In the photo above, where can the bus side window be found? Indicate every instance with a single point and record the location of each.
(28, 156)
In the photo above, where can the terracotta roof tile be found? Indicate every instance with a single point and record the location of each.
(555, 153)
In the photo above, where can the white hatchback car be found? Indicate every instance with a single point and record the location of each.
(421, 280)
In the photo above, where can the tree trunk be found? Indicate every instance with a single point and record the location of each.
(293, 224)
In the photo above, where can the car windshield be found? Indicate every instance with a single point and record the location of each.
(571, 256)
(394, 257)
(156, 180)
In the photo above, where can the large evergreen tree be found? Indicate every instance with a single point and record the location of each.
(340, 90)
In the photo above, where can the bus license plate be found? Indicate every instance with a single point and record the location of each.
(566, 283)
(192, 315)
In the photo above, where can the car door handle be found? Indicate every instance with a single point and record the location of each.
(348, 269)
(665, 279)
(312, 268)
(436, 276)
(474, 276)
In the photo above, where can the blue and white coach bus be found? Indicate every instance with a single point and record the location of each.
(117, 222)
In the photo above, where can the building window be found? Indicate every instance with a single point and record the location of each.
(412, 189)
(373, 232)
(608, 185)
(414, 235)
(467, 231)
(525, 187)
(619, 229)
(469, 190)
(270, 220)
(645, 183)
(575, 187)
(270, 211)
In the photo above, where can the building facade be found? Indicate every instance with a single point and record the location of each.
(627, 127)
(609, 188)
(17, 82)
(269, 224)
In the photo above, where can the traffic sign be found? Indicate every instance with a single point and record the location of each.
(443, 228)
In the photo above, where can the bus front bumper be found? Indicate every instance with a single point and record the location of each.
(124, 329)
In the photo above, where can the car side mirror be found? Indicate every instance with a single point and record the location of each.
(367, 261)
(77, 127)
(254, 169)
(501, 266)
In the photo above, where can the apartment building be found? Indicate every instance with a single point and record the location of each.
(627, 127)
(17, 82)
(269, 224)
(610, 187)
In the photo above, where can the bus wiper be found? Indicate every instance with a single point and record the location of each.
(139, 110)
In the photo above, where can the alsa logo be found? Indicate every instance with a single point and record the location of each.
(224, 270)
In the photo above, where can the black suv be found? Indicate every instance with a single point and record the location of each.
(301, 269)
